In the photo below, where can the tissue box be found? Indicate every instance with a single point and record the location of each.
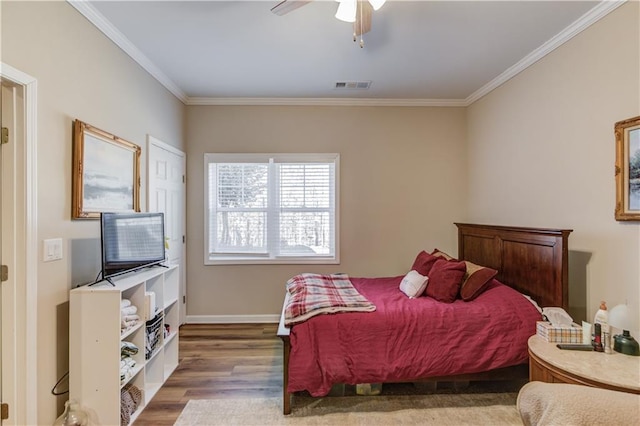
(559, 334)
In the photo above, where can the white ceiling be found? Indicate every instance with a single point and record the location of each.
(417, 53)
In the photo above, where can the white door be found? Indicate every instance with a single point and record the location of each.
(8, 296)
(2, 182)
(166, 193)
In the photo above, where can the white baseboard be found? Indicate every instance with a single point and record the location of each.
(231, 319)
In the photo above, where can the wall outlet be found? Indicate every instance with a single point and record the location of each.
(52, 249)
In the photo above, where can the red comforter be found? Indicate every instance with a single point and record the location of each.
(407, 339)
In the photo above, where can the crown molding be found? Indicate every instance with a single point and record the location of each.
(329, 102)
(104, 25)
(96, 18)
(592, 16)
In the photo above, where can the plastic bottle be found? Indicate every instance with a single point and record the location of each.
(602, 317)
(597, 341)
(73, 415)
(368, 388)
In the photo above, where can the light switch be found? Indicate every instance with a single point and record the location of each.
(52, 249)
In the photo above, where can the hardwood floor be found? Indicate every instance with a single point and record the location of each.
(219, 361)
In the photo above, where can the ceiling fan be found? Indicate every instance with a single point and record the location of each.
(357, 11)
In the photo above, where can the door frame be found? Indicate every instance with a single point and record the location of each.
(26, 383)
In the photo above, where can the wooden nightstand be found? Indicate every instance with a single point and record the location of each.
(613, 371)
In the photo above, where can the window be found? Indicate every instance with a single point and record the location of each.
(279, 208)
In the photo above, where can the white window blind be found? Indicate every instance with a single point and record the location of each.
(271, 208)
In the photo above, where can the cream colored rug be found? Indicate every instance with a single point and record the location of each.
(456, 409)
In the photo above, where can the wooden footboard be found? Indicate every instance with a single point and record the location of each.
(534, 261)
(283, 333)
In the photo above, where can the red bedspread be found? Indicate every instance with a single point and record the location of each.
(407, 339)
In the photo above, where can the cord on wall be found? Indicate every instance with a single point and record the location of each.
(54, 390)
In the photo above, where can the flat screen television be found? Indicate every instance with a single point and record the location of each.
(131, 241)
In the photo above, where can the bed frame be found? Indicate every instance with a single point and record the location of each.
(533, 261)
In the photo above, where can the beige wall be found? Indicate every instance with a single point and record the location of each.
(81, 74)
(541, 152)
(536, 151)
(403, 179)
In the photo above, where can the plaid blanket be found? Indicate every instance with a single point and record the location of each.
(314, 294)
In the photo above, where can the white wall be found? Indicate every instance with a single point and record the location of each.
(542, 153)
(403, 179)
(81, 74)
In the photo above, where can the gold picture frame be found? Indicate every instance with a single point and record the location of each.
(106, 173)
(627, 170)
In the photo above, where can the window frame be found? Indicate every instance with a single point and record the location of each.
(269, 258)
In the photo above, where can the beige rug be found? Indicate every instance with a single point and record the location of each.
(456, 409)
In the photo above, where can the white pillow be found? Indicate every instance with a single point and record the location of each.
(413, 284)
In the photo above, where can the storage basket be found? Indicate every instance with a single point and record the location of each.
(153, 335)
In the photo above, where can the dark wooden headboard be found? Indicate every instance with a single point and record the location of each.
(533, 261)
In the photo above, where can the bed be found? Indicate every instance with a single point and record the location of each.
(414, 340)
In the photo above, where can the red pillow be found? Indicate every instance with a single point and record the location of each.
(423, 263)
(476, 280)
(445, 278)
(438, 253)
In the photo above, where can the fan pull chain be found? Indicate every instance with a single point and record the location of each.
(355, 28)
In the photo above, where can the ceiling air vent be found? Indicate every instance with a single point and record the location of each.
(353, 84)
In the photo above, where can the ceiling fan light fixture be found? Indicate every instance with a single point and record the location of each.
(347, 10)
(377, 4)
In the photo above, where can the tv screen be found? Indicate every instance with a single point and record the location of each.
(131, 241)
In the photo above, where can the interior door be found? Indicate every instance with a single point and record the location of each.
(166, 193)
(8, 356)
(1, 240)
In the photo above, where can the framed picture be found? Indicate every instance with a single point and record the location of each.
(628, 169)
(106, 173)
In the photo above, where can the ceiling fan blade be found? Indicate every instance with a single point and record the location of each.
(363, 17)
(286, 6)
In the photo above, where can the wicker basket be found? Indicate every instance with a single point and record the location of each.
(153, 335)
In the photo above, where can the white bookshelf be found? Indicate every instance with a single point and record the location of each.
(95, 336)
